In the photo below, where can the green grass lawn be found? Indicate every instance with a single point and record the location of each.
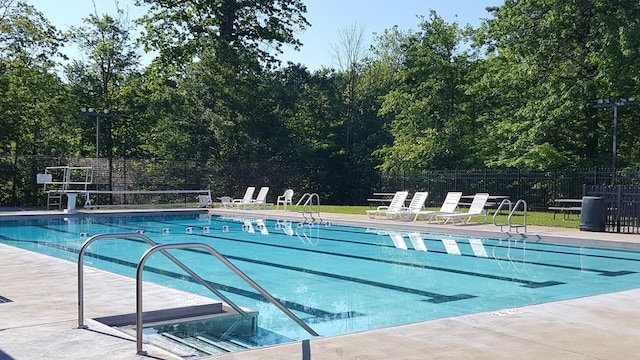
(533, 217)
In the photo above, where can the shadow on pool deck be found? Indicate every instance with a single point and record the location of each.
(41, 319)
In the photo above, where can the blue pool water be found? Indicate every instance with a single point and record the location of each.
(340, 279)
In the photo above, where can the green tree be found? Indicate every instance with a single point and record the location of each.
(182, 31)
(432, 123)
(111, 60)
(33, 100)
(547, 62)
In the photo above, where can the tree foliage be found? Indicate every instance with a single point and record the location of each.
(548, 62)
(182, 30)
(429, 106)
(517, 92)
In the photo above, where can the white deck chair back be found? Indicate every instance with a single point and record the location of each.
(261, 199)
(395, 207)
(476, 208)
(478, 203)
(417, 201)
(248, 194)
(449, 206)
(397, 203)
(246, 200)
(451, 202)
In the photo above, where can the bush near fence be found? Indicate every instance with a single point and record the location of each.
(18, 185)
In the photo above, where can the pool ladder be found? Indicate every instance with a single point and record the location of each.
(162, 248)
(307, 206)
(512, 210)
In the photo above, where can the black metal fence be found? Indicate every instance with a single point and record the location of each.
(622, 206)
(18, 185)
(537, 188)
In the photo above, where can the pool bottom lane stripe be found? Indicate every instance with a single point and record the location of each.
(435, 297)
(472, 242)
(524, 282)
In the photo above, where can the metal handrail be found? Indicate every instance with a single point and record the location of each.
(515, 207)
(495, 214)
(146, 239)
(512, 210)
(303, 200)
(307, 203)
(212, 251)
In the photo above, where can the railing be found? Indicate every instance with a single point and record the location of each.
(162, 249)
(622, 205)
(306, 206)
(524, 215)
(512, 211)
(128, 236)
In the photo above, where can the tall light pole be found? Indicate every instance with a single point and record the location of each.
(91, 112)
(605, 103)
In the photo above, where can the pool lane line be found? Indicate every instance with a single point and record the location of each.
(526, 283)
(435, 297)
(431, 239)
(607, 273)
(318, 314)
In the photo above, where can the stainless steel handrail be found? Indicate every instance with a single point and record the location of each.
(515, 207)
(307, 205)
(495, 214)
(512, 211)
(146, 239)
(212, 251)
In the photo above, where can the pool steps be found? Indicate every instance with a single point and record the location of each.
(241, 315)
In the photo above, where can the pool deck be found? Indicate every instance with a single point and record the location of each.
(41, 321)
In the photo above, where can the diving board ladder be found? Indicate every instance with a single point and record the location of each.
(512, 211)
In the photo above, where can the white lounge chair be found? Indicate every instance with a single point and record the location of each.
(261, 199)
(476, 209)
(392, 210)
(415, 206)
(449, 206)
(226, 201)
(246, 200)
(284, 199)
(204, 201)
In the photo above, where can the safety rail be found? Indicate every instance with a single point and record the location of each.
(512, 211)
(306, 202)
(162, 248)
(129, 236)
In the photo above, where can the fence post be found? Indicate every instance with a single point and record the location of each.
(618, 206)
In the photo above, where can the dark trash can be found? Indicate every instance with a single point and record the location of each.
(593, 216)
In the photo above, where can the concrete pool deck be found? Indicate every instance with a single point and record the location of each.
(41, 320)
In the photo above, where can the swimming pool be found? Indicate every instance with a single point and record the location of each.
(341, 279)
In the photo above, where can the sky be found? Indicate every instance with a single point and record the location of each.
(327, 18)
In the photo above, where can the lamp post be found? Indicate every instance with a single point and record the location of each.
(605, 103)
(91, 112)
